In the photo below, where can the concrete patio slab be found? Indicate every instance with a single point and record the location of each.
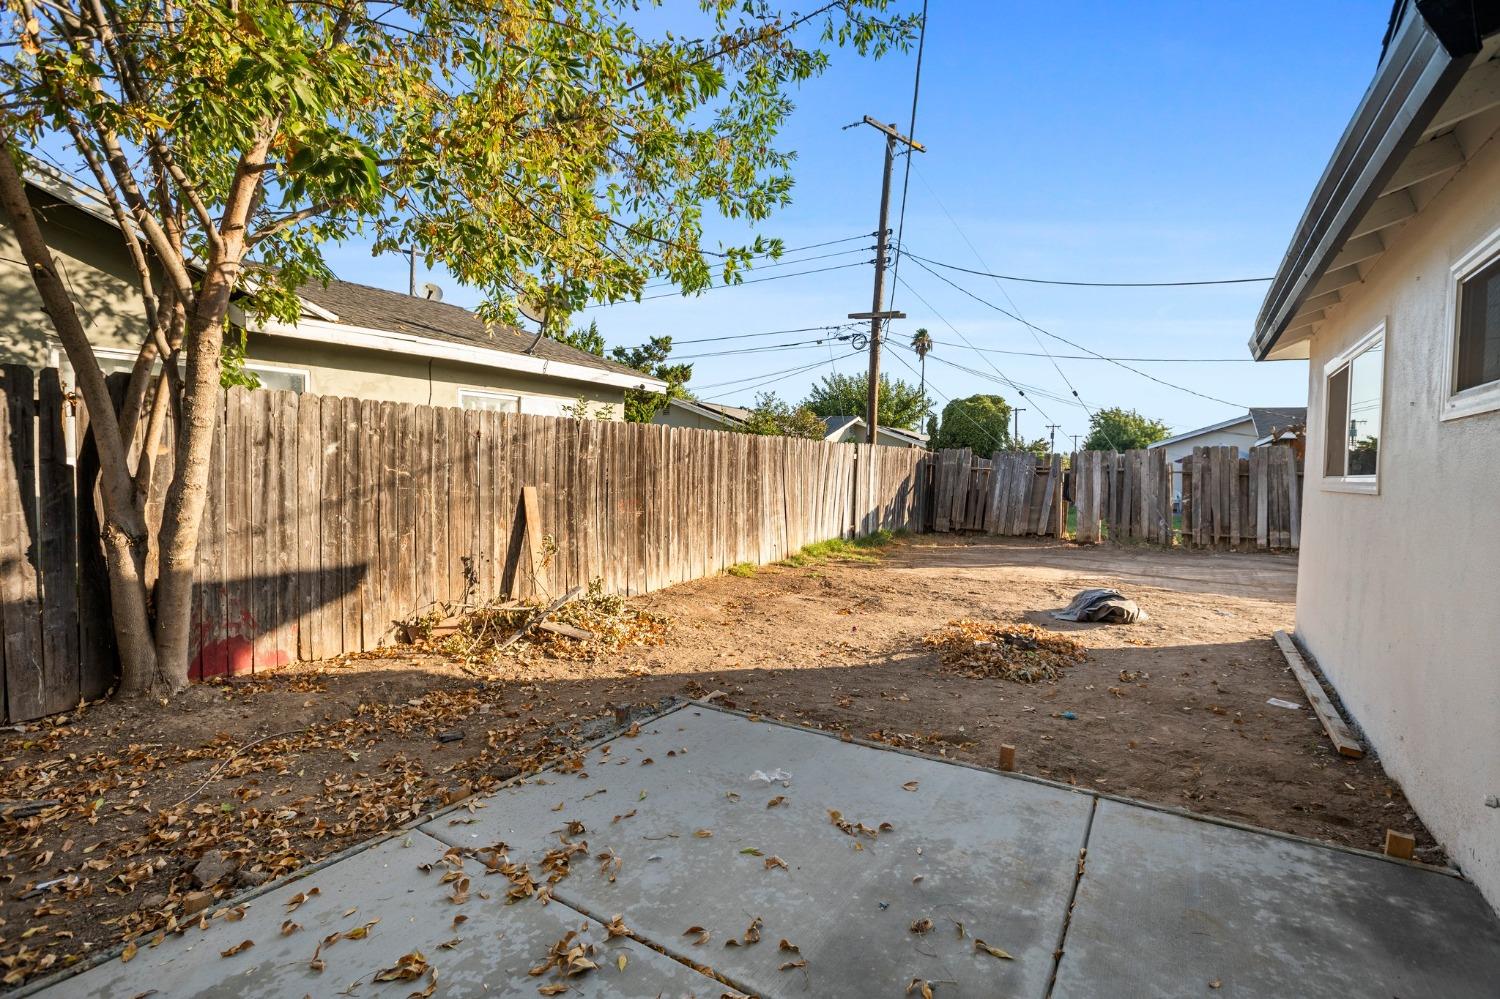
(679, 834)
(996, 855)
(496, 945)
(1169, 905)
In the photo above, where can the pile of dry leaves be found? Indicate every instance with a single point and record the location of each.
(1021, 652)
(597, 624)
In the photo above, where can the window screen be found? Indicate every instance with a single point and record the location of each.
(1479, 329)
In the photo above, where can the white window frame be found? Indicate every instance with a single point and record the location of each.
(1366, 484)
(254, 366)
(1484, 398)
(465, 394)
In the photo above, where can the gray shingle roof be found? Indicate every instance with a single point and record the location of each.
(1270, 419)
(376, 308)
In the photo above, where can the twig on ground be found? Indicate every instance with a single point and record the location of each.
(232, 757)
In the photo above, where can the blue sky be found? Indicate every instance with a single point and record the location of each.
(1096, 141)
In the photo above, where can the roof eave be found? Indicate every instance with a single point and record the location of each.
(1415, 77)
(404, 343)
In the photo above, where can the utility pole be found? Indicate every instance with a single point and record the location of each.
(1016, 434)
(411, 273)
(1075, 441)
(1052, 429)
(875, 315)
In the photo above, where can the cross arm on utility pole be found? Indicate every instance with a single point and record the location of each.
(875, 315)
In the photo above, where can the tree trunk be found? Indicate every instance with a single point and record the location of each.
(123, 532)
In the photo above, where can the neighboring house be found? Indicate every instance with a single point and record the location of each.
(351, 339)
(1258, 426)
(1391, 288)
(701, 415)
(851, 429)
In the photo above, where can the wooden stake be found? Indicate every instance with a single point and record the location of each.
(1399, 845)
(1007, 757)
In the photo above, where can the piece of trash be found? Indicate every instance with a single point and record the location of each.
(775, 776)
(1101, 604)
(884, 905)
(452, 735)
(1278, 702)
(1070, 716)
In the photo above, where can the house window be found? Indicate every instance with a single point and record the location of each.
(281, 379)
(1473, 375)
(1353, 389)
(496, 402)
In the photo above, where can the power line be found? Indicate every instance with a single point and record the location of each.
(747, 336)
(999, 444)
(780, 263)
(1076, 346)
(1034, 394)
(773, 277)
(1092, 357)
(1089, 284)
(794, 345)
(941, 318)
(977, 256)
(911, 130)
(769, 375)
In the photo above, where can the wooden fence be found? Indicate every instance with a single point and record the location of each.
(1229, 501)
(1122, 496)
(1011, 493)
(329, 520)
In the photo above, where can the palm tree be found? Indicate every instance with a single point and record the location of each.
(921, 342)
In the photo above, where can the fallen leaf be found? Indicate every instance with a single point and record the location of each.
(789, 965)
(408, 968)
(923, 925)
(751, 851)
(910, 785)
(788, 946)
(300, 897)
(780, 799)
(128, 952)
(703, 833)
(775, 862)
(238, 948)
(980, 945)
(621, 961)
(925, 988)
(701, 933)
(1215, 984)
(288, 927)
(552, 990)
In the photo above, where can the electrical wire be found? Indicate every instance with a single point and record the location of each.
(999, 444)
(1091, 357)
(765, 374)
(1088, 284)
(795, 345)
(737, 284)
(1076, 346)
(776, 376)
(942, 319)
(746, 336)
(911, 133)
(780, 263)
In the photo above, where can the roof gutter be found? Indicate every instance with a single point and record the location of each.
(1426, 53)
(389, 341)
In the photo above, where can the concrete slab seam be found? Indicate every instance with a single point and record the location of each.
(1078, 872)
(413, 825)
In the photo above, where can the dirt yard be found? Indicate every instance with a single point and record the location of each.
(137, 823)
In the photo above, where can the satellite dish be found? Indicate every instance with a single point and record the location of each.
(432, 292)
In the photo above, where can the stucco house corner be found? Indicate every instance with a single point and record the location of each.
(1391, 288)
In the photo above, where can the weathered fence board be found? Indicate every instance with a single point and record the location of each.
(1242, 503)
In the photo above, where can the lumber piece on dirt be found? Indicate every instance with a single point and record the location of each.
(565, 630)
(541, 615)
(1338, 731)
(1007, 757)
(1399, 845)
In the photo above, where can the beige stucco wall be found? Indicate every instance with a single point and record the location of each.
(1396, 591)
(102, 282)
